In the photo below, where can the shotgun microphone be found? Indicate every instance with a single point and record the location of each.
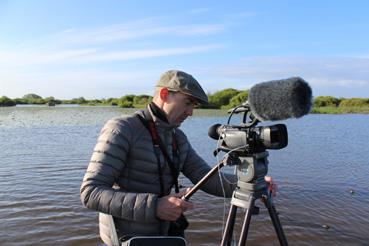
(280, 99)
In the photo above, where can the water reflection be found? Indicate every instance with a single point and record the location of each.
(322, 177)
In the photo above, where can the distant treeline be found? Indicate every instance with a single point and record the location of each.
(332, 105)
(128, 101)
(224, 99)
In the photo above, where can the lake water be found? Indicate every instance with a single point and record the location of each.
(322, 176)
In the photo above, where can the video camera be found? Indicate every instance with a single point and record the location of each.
(267, 101)
(247, 138)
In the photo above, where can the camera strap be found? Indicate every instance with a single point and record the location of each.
(160, 147)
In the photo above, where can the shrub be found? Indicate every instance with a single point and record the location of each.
(355, 102)
(326, 101)
(142, 99)
(128, 98)
(6, 101)
(223, 97)
(79, 100)
(125, 104)
(238, 99)
(32, 96)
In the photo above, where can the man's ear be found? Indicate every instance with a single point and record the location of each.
(164, 94)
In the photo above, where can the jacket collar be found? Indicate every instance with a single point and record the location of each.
(159, 118)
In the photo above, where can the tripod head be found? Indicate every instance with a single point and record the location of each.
(251, 169)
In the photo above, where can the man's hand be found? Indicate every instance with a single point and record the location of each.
(272, 187)
(172, 206)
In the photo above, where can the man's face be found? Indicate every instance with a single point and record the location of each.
(178, 107)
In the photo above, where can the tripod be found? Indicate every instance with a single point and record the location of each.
(245, 195)
(251, 185)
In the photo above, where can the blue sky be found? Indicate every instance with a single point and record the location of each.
(101, 49)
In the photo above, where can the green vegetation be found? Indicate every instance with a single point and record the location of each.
(141, 100)
(332, 105)
(355, 102)
(128, 101)
(6, 101)
(238, 99)
(326, 101)
(224, 99)
(340, 110)
(31, 99)
(221, 99)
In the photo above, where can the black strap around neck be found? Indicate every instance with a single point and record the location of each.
(158, 112)
(148, 122)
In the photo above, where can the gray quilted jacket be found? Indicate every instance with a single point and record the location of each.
(122, 176)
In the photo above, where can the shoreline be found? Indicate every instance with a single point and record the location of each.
(314, 110)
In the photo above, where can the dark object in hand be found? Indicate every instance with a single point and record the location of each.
(178, 227)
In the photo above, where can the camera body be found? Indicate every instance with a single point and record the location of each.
(247, 140)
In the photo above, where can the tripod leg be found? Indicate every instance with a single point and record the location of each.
(228, 231)
(276, 223)
(246, 224)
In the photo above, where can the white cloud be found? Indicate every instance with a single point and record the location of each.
(341, 76)
(18, 59)
(132, 31)
(323, 81)
(346, 77)
(144, 53)
(61, 60)
(118, 42)
(14, 58)
(80, 82)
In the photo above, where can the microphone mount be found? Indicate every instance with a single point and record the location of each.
(249, 119)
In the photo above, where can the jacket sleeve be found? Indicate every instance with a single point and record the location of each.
(196, 168)
(107, 162)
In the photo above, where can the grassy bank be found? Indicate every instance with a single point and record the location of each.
(340, 110)
(224, 100)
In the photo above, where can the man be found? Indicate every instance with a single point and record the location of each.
(128, 157)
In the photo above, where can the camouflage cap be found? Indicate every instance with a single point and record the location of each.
(183, 82)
